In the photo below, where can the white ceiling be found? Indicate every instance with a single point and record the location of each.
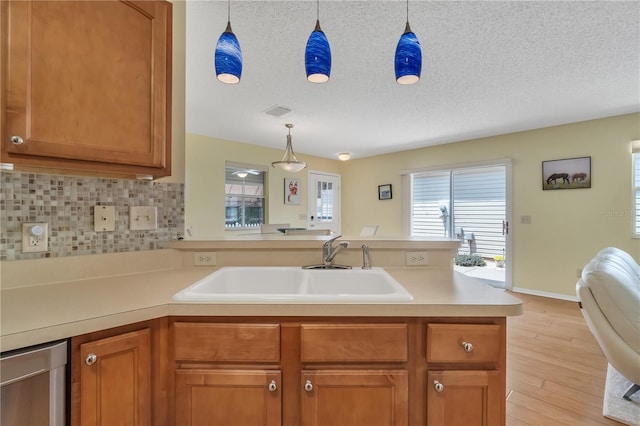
(489, 67)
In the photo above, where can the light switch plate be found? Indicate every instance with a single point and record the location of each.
(35, 243)
(104, 218)
(142, 218)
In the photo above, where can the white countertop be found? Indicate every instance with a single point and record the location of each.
(41, 313)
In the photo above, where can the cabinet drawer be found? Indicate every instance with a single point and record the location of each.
(355, 342)
(227, 342)
(446, 343)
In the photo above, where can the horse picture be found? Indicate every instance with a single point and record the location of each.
(568, 173)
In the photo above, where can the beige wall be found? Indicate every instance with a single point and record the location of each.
(204, 184)
(567, 227)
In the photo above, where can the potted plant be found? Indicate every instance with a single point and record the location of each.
(499, 259)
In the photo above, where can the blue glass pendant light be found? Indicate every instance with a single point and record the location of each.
(408, 62)
(228, 56)
(317, 55)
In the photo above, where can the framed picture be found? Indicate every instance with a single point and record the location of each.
(570, 173)
(292, 190)
(384, 192)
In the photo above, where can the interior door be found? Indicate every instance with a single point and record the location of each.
(324, 201)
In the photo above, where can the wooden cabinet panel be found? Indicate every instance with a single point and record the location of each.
(445, 343)
(466, 398)
(355, 397)
(115, 380)
(87, 85)
(227, 342)
(354, 342)
(228, 397)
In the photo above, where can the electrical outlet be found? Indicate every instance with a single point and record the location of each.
(35, 237)
(204, 258)
(417, 258)
(143, 218)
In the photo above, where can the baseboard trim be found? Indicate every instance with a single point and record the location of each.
(545, 294)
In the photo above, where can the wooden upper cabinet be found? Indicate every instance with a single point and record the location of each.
(87, 85)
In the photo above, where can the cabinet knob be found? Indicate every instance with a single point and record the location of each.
(308, 386)
(16, 140)
(273, 386)
(439, 387)
(467, 346)
(91, 359)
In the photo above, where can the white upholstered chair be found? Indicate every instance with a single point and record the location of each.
(609, 293)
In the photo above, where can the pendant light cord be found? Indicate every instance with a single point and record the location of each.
(229, 11)
(407, 11)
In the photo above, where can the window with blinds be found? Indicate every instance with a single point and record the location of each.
(636, 188)
(459, 203)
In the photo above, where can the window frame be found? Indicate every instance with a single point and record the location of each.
(233, 166)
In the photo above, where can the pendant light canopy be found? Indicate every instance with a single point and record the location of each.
(289, 162)
(228, 56)
(408, 61)
(317, 55)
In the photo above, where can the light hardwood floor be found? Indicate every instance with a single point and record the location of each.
(555, 369)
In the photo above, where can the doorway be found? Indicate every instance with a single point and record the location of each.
(324, 201)
(470, 204)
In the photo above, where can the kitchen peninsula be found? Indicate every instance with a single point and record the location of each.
(415, 362)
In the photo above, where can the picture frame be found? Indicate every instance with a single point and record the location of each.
(568, 173)
(292, 191)
(384, 192)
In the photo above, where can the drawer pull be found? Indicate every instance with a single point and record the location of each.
(308, 386)
(91, 359)
(439, 387)
(273, 386)
(467, 346)
(16, 140)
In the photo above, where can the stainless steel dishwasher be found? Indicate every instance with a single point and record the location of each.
(33, 386)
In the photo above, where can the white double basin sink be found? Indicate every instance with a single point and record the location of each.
(294, 284)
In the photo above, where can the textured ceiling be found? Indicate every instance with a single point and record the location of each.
(489, 67)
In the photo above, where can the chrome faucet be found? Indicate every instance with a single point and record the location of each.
(365, 257)
(329, 251)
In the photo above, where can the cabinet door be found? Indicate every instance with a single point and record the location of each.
(355, 398)
(115, 380)
(465, 398)
(228, 397)
(89, 81)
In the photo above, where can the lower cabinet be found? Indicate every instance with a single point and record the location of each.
(355, 397)
(115, 380)
(118, 376)
(228, 397)
(463, 398)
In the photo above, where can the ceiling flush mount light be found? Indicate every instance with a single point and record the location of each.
(317, 55)
(344, 156)
(289, 162)
(408, 61)
(228, 56)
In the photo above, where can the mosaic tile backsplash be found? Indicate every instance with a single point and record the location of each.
(66, 204)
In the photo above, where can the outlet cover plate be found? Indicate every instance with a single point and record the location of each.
(204, 258)
(32, 244)
(143, 218)
(417, 258)
(104, 218)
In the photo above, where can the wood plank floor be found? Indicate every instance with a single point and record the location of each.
(555, 369)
